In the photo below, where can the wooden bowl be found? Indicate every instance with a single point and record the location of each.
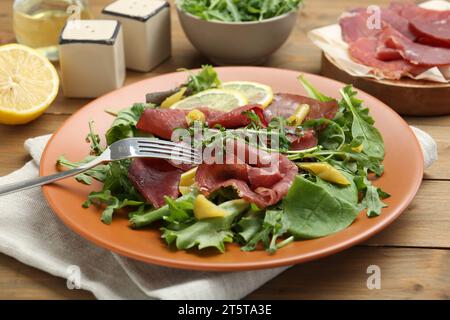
(408, 97)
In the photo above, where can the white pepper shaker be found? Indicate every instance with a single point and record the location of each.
(146, 27)
(92, 57)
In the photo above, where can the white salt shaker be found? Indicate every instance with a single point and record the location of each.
(92, 58)
(146, 27)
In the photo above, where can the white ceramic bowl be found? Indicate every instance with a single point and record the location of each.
(237, 43)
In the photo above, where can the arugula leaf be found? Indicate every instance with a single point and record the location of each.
(233, 10)
(206, 79)
(372, 201)
(372, 196)
(372, 140)
(274, 225)
(116, 180)
(112, 203)
(332, 137)
(212, 232)
(152, 215)
(98, 173)
(278, 125)
(313, 92)
(255, 120)
(124, 126)
(181, 213)
(312, 211)
(94, 139)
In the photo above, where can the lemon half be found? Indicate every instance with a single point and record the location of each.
(28, 84)
(256, 93)
(217, 99)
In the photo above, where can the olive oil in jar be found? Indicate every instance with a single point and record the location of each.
(38, 23)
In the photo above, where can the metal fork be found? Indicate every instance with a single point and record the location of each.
(119, 150)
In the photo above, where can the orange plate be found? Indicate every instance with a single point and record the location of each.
(403, 174)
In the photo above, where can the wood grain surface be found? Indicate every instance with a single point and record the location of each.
(413, 253)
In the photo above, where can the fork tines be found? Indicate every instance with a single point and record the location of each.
(168, 150)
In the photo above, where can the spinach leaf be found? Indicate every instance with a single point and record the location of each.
(312, 211)
(249, 225)
(348, 193)
(212, 232)
(124, 126)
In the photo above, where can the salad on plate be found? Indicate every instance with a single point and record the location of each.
(275, 168)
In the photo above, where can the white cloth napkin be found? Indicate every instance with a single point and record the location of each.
(31, 233)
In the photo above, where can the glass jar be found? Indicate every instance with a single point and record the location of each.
(38, 23)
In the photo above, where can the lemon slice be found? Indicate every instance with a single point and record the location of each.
(28, 84)
(218, 99)
(256, 93)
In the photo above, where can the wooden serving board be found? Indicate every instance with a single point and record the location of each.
(407, 96)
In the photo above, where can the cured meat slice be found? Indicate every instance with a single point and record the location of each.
(391, 18)
(162, 122)
(409, 10)
(364, 51)
(237, 117)
(256, 182)
(387, 54)
(354, 24)
(285, 104)
(154, 179)
(432, 32)
(415, 53)
(306, 141)
(431, 27)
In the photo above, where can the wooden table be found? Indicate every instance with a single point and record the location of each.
(413, 253)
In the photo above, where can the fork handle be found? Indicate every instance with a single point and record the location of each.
(30, 183)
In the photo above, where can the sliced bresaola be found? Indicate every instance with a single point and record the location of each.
(154, 179)
(364, 51)
(387, 54)
(431, 31)
(263, 182)
(415, 53)
(355, 24)
(391, 18)
(431, 27)
(285, 104)
(237, 118)
(307, 140)
(162, 122)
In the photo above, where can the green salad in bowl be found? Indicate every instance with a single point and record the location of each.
(231, 32)
(240, 10)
